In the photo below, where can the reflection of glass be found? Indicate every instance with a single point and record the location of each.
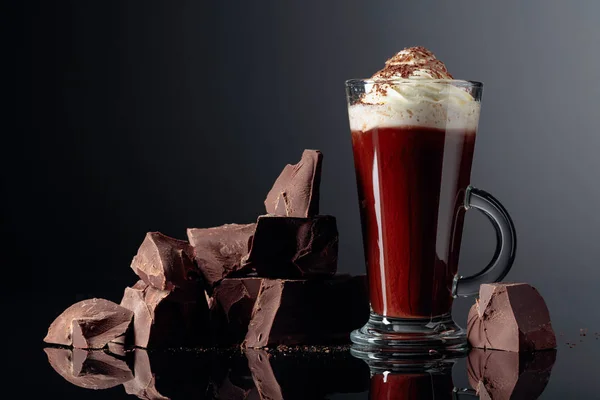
(419, 382)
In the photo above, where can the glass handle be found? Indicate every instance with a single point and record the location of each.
(469, 394)
(506, 247)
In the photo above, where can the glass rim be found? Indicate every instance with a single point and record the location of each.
(453, 82)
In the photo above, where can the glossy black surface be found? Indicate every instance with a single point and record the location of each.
(324, 373)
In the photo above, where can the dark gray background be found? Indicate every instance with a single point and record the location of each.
(127, 117)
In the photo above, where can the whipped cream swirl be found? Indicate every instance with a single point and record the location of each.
(414, 89)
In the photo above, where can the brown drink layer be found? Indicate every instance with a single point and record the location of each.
(411, 185)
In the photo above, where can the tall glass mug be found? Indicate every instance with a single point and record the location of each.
(413, 154)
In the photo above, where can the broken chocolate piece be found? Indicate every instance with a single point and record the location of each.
(285, 247)
(89, 369)
(218, 251)
(165, 262)
(143, 384)
(307, 311)
(511, 317)
(262, 374)
(508, 375)
(234, 299)
(296, 190)
(89, 324)
(165, 318)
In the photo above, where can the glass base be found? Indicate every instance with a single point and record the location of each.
(426, 339)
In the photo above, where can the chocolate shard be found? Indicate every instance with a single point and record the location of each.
(263, 376)
(234, 300)
(286, 247)
(218, 251)
(165, 318)
(165, 263)
(143, 383)
(296, 190)
(89, 369)
(508, 375)
(89, 324)
(307, 311)
(511, 317)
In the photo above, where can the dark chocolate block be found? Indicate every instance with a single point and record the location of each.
(89, 369)
(511, 317)
(89, 324)
(165, 318)
(508, 375)
(143, 384)
(234, 300)
(218, 251)
(296, 190)
(286, 247)
(307, 311)
(165, 263)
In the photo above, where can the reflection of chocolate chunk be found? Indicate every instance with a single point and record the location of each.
(307, 311)
(285, 247)
(305, 375)
(164, 262)
(509, 375)
(512, 317)
(264, 378)
(143, 384)
(90, 370)
(228, 391)
(218, 251)
(89, 324)
(234, 299)
(296, 190)
(182, 374)
(165, 318)
(117, 349)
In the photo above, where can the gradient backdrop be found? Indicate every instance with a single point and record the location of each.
(126, 117)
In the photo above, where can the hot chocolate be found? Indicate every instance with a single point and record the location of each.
(413, 136)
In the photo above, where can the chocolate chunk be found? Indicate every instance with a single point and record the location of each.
(263, 376)
(89, 324)
(286, 247)
(512, 317)
(165, 318)
(165, 263)
(234, 299)
(89, 369)
(296, 190)
(509, 375)
(218, 251)
(143, 384)
(307, 311)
